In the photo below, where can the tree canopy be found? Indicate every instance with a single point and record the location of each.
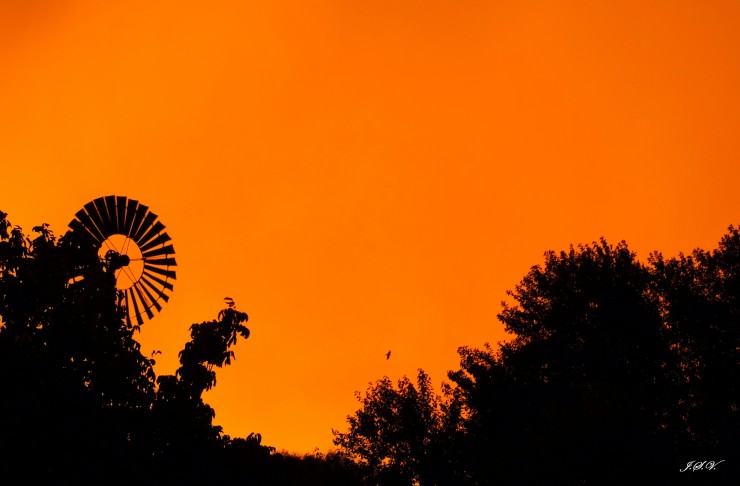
(401, 433)
(615, 370)
(82, 405)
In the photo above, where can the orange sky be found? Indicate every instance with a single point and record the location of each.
(365, 176)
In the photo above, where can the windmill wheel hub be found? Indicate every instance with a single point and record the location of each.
(123, 257)
(117, 261)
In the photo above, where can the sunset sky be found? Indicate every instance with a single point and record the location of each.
(365, 176)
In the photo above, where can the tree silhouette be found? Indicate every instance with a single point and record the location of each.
(183, 422)
(76, 386)
(79, 402)
(581, 382)
(615, 370)
(400, 434)
(700, 303)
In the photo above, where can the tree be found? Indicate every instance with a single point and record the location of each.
(80, 404)
(585, 378)
(615, 370)
(609, 366)
(401, 435)
(76, 388)
(182, 421)
(79, 397)
(700, 304)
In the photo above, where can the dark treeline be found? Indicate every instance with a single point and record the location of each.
(81, 404)
(618, 372)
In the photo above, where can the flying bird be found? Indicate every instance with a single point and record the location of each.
(388, 355)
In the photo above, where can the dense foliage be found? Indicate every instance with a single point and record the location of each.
(402, 435)
(82, 405)
(616, 370)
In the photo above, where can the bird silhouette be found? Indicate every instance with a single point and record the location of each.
(388, 355)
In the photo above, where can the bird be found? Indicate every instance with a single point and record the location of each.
(388, 355)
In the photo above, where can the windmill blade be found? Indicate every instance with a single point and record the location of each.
(159, 240)
(153, 231)
(167, 273)
(141, 212)
(137, 313)
(94, 215)
(131, 208)
(106, 226)
(149, 296)
(165, 250)
(161, 282)
(82, 234)
(110, 204)
(89, 225)
(162, 262)
(147, 307)
(156, 290)
(145, 225)
(121, 213)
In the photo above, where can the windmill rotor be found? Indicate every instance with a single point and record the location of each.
(132, 242)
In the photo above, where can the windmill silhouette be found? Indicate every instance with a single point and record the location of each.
(133, 244)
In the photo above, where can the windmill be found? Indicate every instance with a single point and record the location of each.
(132, 242)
